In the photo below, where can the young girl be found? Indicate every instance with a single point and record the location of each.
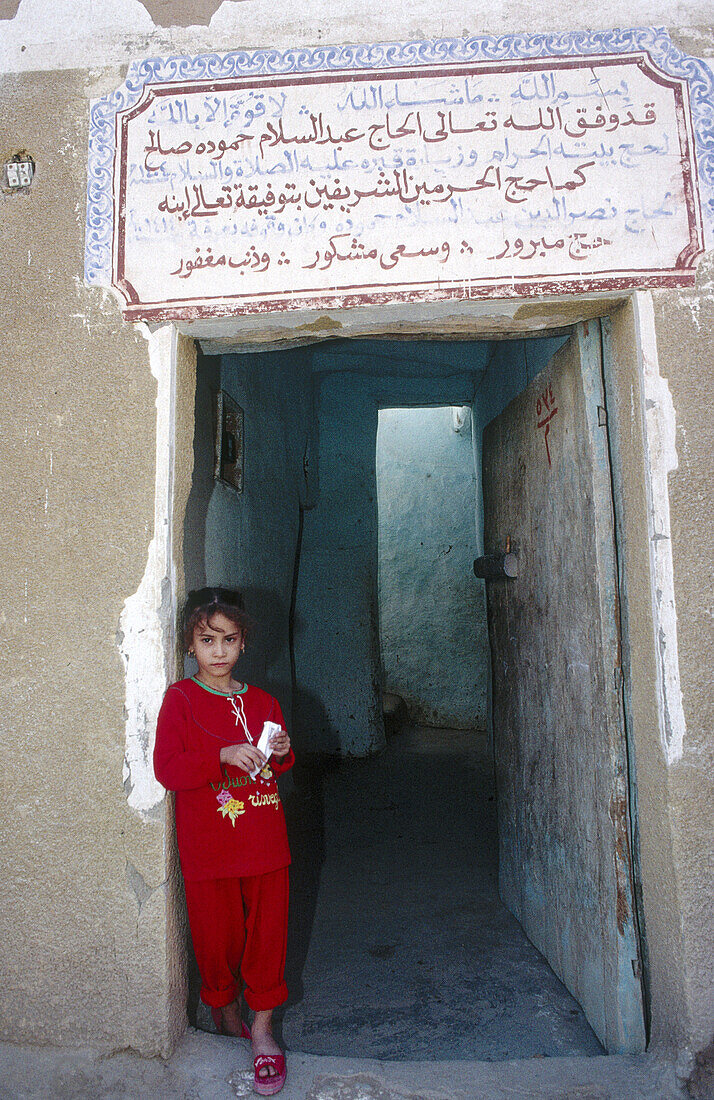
(230, 826)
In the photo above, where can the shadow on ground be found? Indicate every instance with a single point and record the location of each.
(399, 946)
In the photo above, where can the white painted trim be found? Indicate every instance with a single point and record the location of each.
(660, 460)
(147, 624)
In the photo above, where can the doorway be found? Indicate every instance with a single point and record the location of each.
(309, 510)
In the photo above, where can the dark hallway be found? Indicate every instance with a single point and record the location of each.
(399, 946)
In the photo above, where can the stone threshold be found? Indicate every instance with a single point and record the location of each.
(213, 1066)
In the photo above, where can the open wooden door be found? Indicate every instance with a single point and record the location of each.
(561, 761)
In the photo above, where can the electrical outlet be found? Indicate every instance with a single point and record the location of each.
(19, 173)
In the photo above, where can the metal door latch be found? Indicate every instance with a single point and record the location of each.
(492, 566)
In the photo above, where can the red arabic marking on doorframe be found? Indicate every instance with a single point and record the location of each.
(546, 409)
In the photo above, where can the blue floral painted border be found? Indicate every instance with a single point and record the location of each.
(156, 70)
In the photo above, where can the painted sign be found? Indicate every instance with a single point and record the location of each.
(329, 189)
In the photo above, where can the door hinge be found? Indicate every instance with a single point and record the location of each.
(601, 417)
(636, 969)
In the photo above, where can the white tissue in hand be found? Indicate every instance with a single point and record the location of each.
(269, 729)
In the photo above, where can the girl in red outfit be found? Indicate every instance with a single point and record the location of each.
(230, 825)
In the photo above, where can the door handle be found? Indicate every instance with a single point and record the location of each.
(492, 566)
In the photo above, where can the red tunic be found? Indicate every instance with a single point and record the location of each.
(227, 824)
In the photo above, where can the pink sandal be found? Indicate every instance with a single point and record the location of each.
(268, 1086)
(217, 1014)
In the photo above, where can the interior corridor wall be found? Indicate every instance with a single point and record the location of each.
(248, 540)
(337, 634)
(431, 614)
(337, 658)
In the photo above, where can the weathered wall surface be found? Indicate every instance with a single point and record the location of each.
(431, 618)
(83, 919)
(685, 344)
(250, 537)
(671, 755)
(337, 652)
(78, 508)
(46, 34)
(657, 886)
(337, 609)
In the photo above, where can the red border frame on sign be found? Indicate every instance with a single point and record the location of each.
(682, 274)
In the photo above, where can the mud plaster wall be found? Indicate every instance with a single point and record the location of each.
(685, 345)
(671, 787)
(83, 920)
(648, 775)
(434, 646)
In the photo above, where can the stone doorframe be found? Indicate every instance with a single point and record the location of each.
(642, 428)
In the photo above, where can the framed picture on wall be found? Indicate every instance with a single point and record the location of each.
(230, 450)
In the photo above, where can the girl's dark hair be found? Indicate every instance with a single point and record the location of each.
(203, 603)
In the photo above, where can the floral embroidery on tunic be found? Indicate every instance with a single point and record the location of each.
(230, 807)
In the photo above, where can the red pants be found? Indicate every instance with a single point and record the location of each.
(239, 930)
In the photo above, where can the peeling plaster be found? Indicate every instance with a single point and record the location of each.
(69, 33)
(65, 34)
(183, 13)
(146, 627)
(661, 454)
(8, 8)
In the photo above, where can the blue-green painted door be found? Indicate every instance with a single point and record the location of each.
(561, 762)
